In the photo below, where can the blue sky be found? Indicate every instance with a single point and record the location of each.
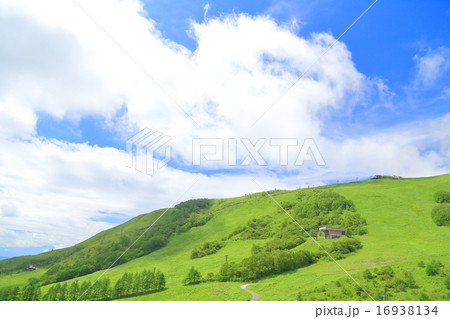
(377, 102)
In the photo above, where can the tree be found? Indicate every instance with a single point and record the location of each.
(441, 215)
(73, 291)
(442, 197)
(84, 290)
(62, 292)
(137, 283)
(161, 280)
(148, 279)
(30, 293)
(51, 294)
(119, 289)
(194, 277)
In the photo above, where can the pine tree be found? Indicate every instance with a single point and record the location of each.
(137, 284)
(160, 280)
(74, 291)
(194, 277)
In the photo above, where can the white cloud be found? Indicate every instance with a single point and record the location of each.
(206, 8)
(57, 61)
(9, 210)
(432, 65)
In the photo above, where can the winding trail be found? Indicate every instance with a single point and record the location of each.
(255, 296)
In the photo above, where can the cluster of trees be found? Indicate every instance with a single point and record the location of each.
(441, 213)
(265, 264)
(208, 248)
(194, 277)
(30, 292)
(256, 228)
(181, 218)
(433, 268)
(287, 237)
(385, 281)
(316, 208)
(284, 236)
(128, 285)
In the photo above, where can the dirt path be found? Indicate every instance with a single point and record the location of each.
(255, 296)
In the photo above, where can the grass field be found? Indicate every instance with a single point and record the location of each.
(400, 234)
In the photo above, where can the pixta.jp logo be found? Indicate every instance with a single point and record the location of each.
(147, 151)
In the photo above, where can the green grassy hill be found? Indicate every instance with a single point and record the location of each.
(400, 234)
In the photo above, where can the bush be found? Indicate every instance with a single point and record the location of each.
(256, 228)
(367, 274)
(208, 248)
(442, 197)
(385, 273)
(441, 215)
(409, 280)
(345, 246)
(433, 268)
(421, 264)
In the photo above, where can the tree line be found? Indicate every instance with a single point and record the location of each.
(128, 285)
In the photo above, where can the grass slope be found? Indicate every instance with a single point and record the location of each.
(400, 234)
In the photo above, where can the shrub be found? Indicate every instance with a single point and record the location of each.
(256, 228)
(345, 246)
(421, 264)
(442, 197)
(433, 268)
(409, 280)
(367, 274)
(299, 297)
(208, 248)
(385, 273)
(441, 215)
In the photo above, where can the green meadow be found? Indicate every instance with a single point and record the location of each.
(400, 235)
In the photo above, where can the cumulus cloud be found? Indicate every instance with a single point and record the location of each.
(59, 62)
(432, 65)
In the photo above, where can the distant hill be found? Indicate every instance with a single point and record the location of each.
(393, 245)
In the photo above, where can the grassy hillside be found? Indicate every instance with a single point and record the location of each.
(400, 234)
